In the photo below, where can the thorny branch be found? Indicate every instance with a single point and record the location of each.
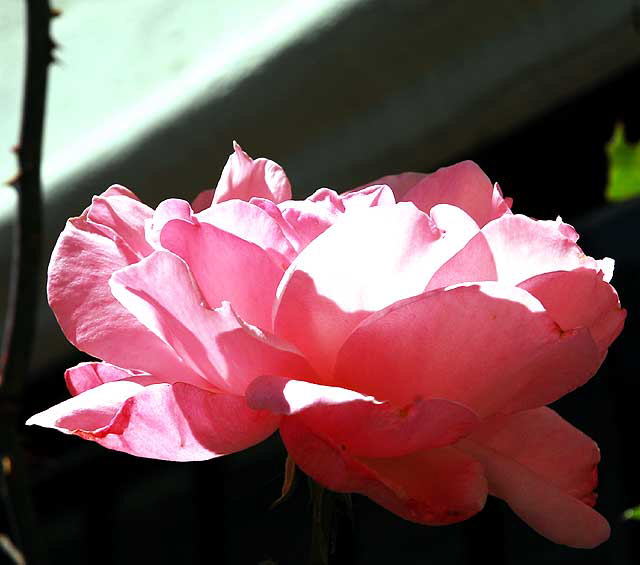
(21, 311)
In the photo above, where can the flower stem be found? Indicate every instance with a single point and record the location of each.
(332, 527)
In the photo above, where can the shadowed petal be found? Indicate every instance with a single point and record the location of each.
(89, 375)
(203, 200)
(546, 471)
(488, 346)
(580, 298)
(400, 184)
(360, 424)
(549, 446)
(433, 486)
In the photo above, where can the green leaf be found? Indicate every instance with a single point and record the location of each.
(632, 513)
(624, 167)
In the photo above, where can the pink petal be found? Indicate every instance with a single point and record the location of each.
(90, 317)
(400, 184)
(487, 346)
(216, 344)
(549, 446)
(513, 249)
(302, 221)
(376, 195)
(499, 203)
(252, 223)
(89, 375)
(360, 424)
(226, 267)
(606, 266)
(433, 486)
(545, 470)
(580, 298)
(203, 200)
(244, 178)
(118, 213)
(356, 267)
(463, 185)
(167, 210)
(308, 218)
(176, 422)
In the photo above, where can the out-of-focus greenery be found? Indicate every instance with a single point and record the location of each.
(632, 513)
(624, 169)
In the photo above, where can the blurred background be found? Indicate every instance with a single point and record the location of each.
(151, 94)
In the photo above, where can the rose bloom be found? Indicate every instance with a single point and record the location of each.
(404, 337)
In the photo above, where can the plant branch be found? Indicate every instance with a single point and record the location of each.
(25, 281)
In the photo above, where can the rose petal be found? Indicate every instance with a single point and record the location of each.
(226, 267)
(400, 184)
(167, 210)
(307, 219)
(513, 249)
(117, 212)
(303, 221)
(360, 424)
(549, 446)
(368, 197)
(356, 267)
(90, 317)
(89, 375)
(203, 200)
(499, 203)
(580, 298)
(252, 223)
(244, 178)
(463, 185)
(176, 422)
(606, 266)
(434, 486)
(544, 487)
(216, 344)
(487, 346)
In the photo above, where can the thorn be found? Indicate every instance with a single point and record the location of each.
(53, 46)
(15, 149)
(14, 181)
(55, 13)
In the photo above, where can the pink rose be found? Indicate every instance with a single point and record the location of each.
(404, 337)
